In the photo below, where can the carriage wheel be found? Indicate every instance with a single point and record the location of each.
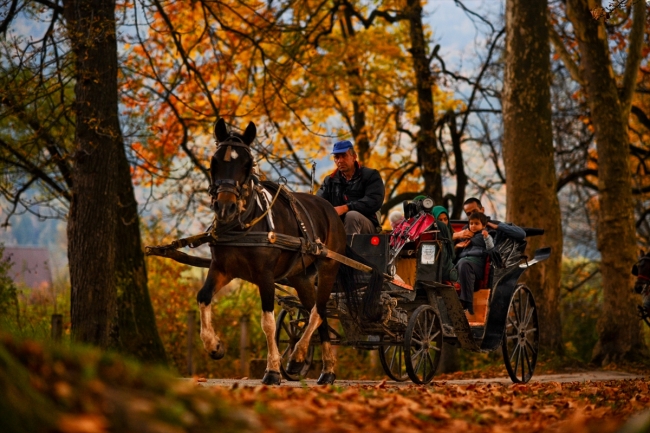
(393, 363)
(289, 327)
(423, 344)
(521, 338)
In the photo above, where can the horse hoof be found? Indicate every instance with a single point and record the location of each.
(217, 354)
(295, 367)
(326, 379)
(271, 378)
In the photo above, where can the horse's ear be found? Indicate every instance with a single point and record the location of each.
(250, 133)
(221, 130)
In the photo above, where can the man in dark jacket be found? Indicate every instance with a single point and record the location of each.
(356, 192)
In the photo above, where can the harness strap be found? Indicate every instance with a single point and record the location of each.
(261, 217)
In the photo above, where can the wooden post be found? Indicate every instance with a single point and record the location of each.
(191, 323)
(57, 327)
(244, 346)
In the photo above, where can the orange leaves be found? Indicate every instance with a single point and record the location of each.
(475, 408)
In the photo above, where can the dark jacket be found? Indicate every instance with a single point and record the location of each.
(363, 193)
(476, 247)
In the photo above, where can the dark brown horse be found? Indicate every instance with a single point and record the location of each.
(234, 190)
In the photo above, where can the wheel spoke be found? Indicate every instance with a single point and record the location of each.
(525, 310)
(532, 349)
(514, 352)
(420, 358)
(529, 315)
(528, 362)
(417, 341)
(287, 329)
(432, 327)
(286, 352)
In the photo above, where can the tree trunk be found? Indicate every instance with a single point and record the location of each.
(429, 156)
(620, 335)
(138, 334)
(93, 216)
(528, 155)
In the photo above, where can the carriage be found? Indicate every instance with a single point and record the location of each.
(386, 290)
(420, 312)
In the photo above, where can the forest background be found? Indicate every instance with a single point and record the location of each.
(433, 117)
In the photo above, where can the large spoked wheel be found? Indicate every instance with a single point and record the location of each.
(289, 327)
(393, 363)
(521, 338)
(423, 344)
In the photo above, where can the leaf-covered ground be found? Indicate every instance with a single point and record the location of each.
(79, 390)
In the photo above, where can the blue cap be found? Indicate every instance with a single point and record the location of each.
(342, 146)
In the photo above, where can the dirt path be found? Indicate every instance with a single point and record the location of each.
(591, 376)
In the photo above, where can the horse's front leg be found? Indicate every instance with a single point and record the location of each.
(213, 283)
(272, 374)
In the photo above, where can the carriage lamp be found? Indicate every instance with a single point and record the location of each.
(374, 240)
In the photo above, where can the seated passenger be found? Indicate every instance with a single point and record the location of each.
(356, 192)
(442, 221)
(471, 266)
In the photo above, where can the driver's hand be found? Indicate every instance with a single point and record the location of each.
(341, 209)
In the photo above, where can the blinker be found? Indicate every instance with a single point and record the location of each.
(635, 270)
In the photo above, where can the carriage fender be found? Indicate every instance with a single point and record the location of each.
(504, 288)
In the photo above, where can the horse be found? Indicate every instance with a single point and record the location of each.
(641, 270)
(236, 192)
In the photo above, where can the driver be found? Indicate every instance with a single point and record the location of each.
(356, 192)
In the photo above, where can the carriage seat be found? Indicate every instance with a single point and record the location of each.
(481, 296)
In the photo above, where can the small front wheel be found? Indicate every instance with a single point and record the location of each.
(289, 327)
(392, 361)
(521, 337)
(423, 344)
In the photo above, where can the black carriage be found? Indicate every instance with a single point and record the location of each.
(420, 312)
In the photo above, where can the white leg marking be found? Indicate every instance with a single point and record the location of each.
(300, 350)
(329, 358)
(208, 336)
(268, 326)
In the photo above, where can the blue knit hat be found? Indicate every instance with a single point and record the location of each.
(342, 146)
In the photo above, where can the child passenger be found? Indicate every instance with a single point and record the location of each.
(472, 253)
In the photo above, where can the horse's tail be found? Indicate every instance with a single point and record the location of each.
(370, 309)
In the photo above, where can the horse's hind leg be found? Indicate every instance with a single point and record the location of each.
(213, 283)
(317, 320)
(267, 294)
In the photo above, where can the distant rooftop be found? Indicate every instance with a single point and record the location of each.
(30, 266)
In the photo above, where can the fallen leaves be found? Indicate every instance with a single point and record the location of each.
(95, 392)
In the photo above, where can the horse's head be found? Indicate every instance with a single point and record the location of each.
(231, 169)
(641, 270)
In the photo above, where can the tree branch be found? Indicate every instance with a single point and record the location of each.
(565, 56)
(633, 57)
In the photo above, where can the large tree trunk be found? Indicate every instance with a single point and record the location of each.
(429, 156)
(93, 217)
(138, 333)
(528, 154)
(619, 328)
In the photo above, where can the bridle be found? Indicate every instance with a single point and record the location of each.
(240, 191)
(230, 185)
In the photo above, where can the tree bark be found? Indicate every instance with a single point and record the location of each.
(429, 156)
(620, 336)
(529, 157)
(93, 217)
(138, 333)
